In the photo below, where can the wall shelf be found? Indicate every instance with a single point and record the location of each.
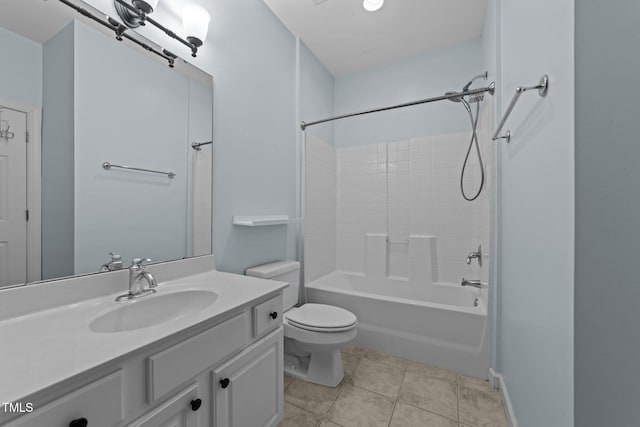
(262, 220)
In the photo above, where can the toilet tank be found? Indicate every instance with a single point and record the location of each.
(283, 271)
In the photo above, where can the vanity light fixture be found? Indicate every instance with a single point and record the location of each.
(135, 13)
(195, 22)
(372, 5)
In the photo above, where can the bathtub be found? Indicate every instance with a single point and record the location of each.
(441, 324)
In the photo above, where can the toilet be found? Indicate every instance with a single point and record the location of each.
(313, 333)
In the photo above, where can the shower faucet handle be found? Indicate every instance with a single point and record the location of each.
(475, 255)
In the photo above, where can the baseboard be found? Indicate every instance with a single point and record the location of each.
(497, 381)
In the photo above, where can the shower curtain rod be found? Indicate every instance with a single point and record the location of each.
(491, 89)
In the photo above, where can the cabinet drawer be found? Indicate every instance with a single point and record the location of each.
(100, 403)
(267, 315)
(173, 367)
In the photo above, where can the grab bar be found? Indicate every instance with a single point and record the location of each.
(543, 88)
(107, 166)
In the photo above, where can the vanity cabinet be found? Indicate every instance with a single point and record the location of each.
(216, 374)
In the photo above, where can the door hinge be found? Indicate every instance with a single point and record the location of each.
(27, 136)
(26, 215)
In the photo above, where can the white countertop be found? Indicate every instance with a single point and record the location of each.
(44, 348)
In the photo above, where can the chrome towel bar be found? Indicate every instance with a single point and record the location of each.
(543, 88)
(107, 166)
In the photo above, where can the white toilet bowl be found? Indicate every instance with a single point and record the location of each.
(313, 333)
(312, 348)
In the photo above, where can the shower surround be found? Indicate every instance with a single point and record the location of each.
(387, 233)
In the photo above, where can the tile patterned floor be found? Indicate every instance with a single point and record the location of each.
(384, 390)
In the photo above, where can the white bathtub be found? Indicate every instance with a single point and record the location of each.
(441, 324)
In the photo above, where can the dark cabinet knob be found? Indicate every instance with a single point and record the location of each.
(224, 383)
(274, 315)
(196, 404)
(79, 422)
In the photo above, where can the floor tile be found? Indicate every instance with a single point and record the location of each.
(387, 359)
(481, 408)
(349, 363)
(357, 407)
(287, 380)
(355, 350)
(312, 397)
(408, 416)
(296, 417)
(473, 382)
(378, 377)
(431, 394)
(431, 371)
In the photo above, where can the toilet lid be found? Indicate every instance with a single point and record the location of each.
(321, 317)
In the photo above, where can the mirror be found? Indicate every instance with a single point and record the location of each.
(74, 101)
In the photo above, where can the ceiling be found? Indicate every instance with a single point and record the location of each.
(37, 20)
(348, 39)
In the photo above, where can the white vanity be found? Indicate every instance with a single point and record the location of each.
(212, 355)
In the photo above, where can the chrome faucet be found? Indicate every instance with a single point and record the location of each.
(472, 283)
(137, 274)
(114, 264)
(475, 255)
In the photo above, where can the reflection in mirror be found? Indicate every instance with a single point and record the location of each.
(81, 99)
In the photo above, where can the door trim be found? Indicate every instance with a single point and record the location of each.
(34, 186)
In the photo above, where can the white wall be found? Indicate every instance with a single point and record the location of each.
(21, 70)
(422, 76)
(535, 330)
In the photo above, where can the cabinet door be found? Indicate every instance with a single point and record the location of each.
(247, 391)
(180, 411)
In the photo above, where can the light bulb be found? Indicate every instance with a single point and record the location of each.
(195, 21)
(372, 5)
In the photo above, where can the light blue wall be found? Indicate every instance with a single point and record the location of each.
(21, 69)
(418, 77)
(253, 64)
(130, 109)
(537, 212)
(58, 155)
(252, 57)
(607, 205)
(317, 87)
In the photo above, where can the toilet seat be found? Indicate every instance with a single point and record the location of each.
(321, 318)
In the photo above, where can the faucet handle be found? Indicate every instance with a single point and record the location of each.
(138, 262)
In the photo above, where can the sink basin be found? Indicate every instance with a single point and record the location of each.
(152, 310)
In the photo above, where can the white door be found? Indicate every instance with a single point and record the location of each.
(13, 197)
